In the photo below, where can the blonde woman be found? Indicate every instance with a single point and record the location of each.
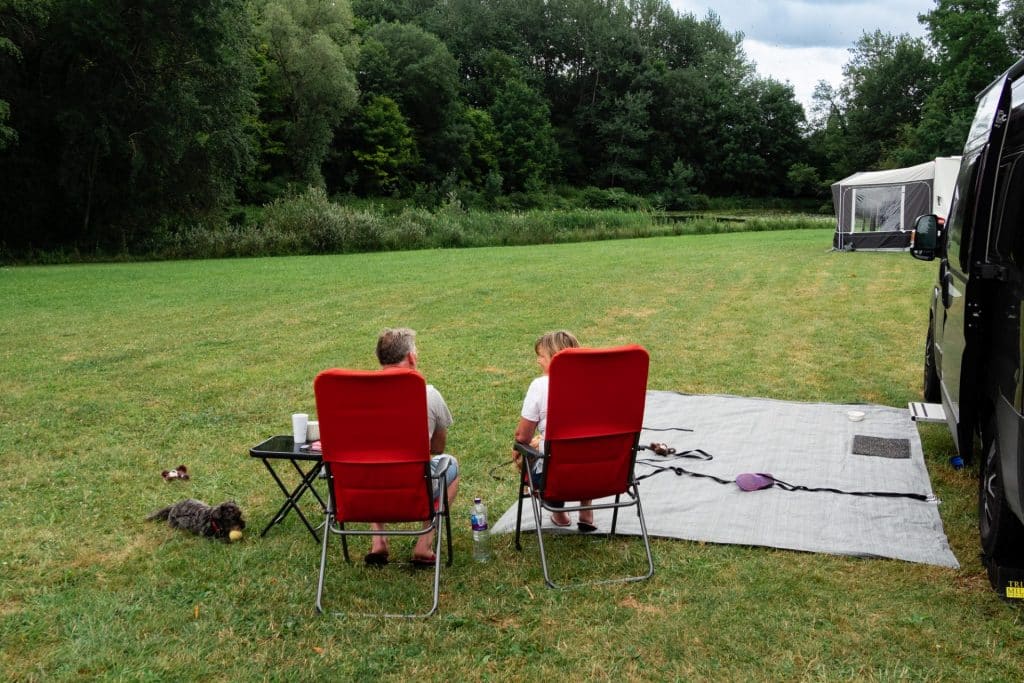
(534, 416)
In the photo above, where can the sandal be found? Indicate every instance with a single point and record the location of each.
(552, 518)
(586, 527)
(424, 562)
(376, 559)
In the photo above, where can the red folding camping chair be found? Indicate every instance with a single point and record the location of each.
(376, 450)
(595, 413)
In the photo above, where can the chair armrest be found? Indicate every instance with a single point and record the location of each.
(439, 479)
(444, 471)
(527, 450)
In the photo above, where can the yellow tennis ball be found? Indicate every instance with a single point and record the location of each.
(235, 535)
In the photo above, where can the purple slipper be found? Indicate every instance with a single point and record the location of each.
(755, 481)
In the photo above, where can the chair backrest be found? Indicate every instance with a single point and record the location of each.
(373, 436)
(596, 403)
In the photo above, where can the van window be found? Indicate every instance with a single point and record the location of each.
(957, 253)
(1010, 191)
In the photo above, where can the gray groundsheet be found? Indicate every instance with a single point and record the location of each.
(808, 444)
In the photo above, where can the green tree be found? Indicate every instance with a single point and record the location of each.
(309, 85)
(832, 147)
(623, 134)
(775, 134)
(804, 180)
(377, 11)
(522, 119)
(585, 60)
(971, 50)
(678, 193)
(129, 112)
(1013, 25)
(704, 111)
(415, 69)
(481, 149)
(862, 124)
(386, 148)
(20, 22)
(888, 80)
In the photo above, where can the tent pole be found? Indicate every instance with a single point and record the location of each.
(853, 212)
(903, 208)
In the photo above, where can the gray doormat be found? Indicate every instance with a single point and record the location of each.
(808, 444)
(881, 447)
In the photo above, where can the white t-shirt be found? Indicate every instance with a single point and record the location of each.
(438, 414)
(535, 405)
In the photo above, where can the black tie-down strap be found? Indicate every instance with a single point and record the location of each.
(662, 466)
(769, 480)
(785, 486)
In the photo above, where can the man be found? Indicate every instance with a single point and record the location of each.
(396, 348)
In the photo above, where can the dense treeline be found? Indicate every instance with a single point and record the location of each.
(124, 123)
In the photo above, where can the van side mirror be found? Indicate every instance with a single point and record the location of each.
(926, 237)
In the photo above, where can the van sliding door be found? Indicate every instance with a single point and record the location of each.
(969, 229)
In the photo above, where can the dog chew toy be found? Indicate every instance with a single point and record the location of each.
(235, 535)
(180, 472)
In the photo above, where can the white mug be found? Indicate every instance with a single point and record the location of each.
(312, 430)
(299, 423)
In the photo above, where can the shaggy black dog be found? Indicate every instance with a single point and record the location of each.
(200, 518)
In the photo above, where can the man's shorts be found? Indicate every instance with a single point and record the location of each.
(437, 465)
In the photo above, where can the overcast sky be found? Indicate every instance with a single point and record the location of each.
(805, 41)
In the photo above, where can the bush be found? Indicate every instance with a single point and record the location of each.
(613, 198)
(312, 223)
(678, 194)
(309, 223)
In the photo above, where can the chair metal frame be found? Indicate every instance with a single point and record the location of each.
(534, 487)
(334, 526)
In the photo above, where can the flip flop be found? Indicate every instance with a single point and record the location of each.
(552, 518)
(376, 559)
(424, 562)
(586, 527)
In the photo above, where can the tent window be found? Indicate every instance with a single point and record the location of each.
(878, 209)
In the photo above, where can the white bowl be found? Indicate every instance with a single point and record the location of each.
(855, 415)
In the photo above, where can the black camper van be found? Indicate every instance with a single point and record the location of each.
(972, 356)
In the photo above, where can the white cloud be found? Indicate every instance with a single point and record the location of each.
(805, 41)
(806, 23)
(801, 67)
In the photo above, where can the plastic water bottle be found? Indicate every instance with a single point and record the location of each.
(481, 533)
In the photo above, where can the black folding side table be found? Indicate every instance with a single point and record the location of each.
(283, 447)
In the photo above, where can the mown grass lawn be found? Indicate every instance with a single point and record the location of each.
(112, 373)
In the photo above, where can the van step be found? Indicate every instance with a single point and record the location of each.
(927, 412)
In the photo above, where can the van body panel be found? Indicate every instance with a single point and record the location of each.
(1009, 424)
(950, 339)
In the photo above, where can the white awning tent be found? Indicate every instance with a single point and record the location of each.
(876, 209)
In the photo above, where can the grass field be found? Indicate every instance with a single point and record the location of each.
(112, 373)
